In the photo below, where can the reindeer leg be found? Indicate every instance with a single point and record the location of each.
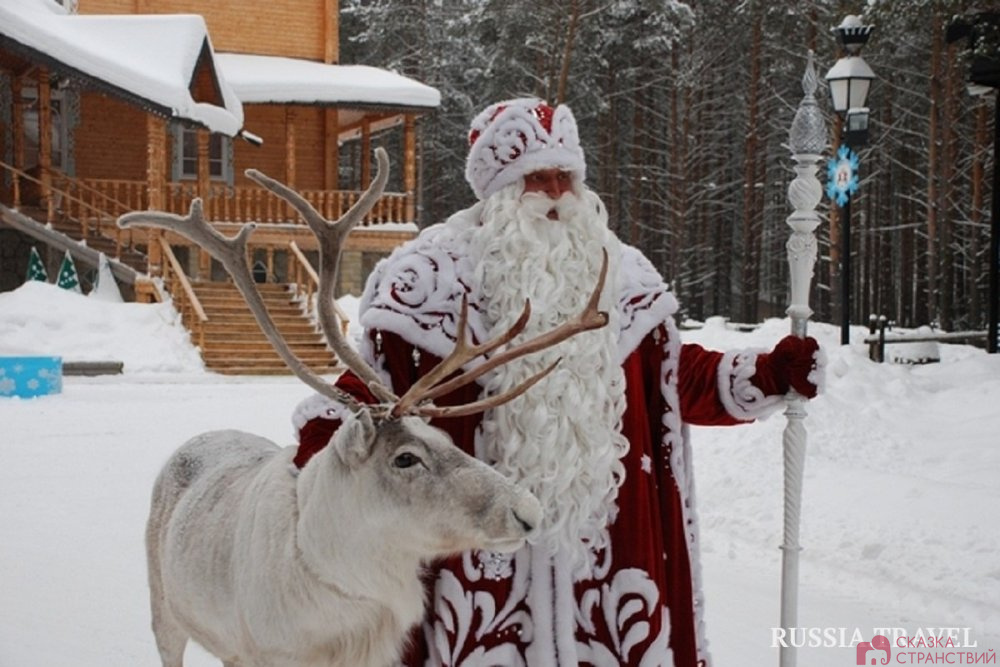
(170, 637)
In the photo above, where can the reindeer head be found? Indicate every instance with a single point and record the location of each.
(407, 479)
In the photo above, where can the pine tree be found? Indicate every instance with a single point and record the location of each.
(68, 278)
(36, 269)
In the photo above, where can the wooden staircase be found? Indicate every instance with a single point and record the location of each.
(233, 343)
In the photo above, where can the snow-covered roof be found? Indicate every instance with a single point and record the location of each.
(272, 79)
(150, 57)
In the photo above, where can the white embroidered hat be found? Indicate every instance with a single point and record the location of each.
(516, 137)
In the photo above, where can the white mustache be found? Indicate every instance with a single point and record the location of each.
(536, 206)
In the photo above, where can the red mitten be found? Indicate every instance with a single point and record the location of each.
(794, 363)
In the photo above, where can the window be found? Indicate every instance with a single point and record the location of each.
(60, 140)
(220, 157)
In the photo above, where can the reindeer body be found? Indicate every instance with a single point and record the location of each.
(263, 568)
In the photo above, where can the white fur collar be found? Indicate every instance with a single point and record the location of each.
(417, 291)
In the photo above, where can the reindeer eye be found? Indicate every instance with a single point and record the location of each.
(406, 460)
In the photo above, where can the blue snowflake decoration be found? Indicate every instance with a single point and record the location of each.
(842, 175)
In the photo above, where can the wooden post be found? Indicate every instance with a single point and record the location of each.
(366, 153)
(410, 167)
(156, 179)
(881, 338)
(156, 162)
(331, 32)
(872, 328)
(204, 265)
(290, 148)
(204, 176)
(290, 154)
(17, 127)
(45, 142)
(331, 150)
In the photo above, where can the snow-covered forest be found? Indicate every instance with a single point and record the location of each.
(684, 110)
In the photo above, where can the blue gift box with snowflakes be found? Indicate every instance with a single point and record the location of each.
(27, 377)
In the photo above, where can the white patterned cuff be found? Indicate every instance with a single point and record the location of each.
(738, 394)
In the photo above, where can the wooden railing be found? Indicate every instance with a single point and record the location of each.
(303, 277)
(76, 201)
(98, 203)
(877, 341)
(253, 204)
(112, 195)
(185, 300)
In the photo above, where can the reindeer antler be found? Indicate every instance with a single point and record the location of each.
(330, 236)
(232, 253)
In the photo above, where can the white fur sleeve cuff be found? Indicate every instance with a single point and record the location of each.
(738, 394)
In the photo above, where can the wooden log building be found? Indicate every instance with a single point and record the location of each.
(123, 105)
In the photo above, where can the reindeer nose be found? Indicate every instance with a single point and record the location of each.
(526, 524)
(528, 513)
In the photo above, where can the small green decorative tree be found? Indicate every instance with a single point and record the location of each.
(68, 278)
(36, 269)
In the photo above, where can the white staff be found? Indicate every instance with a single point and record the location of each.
(807, 140)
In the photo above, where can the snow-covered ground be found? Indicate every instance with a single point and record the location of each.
(900, 523)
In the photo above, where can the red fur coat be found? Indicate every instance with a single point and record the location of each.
(643, 603)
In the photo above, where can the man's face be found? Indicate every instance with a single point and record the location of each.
(551, 182)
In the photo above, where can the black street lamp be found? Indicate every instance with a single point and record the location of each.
(850, 80)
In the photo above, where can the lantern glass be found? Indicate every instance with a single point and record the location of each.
(858, 92)
(857, 120)
(838, 91)
(856, 127)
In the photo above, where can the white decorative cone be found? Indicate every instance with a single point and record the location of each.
(106, 289)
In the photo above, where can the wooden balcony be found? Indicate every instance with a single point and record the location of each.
(228, 204)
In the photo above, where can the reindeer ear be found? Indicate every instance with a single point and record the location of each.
(355, 438)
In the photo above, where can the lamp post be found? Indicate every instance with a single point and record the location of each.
(850, 79)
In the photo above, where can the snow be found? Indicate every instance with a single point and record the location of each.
(262, 79)
(915, 353)
(899, 522)
(42, 319)
(150, 56)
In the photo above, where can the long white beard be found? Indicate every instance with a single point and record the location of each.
(563, 438)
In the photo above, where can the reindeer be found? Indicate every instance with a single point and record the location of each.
(265, 568)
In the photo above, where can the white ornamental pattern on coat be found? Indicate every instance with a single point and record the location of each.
(455, 608)
(426, 288)
(626, 605)
(623, 609)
